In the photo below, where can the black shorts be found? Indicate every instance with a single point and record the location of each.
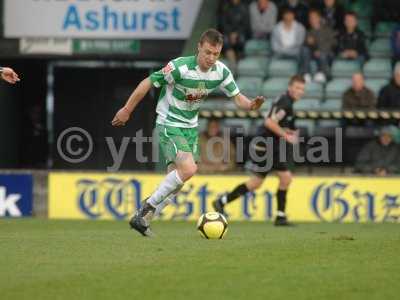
(264, 161)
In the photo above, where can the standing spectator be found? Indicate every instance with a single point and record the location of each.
(358, 96)
(263, 15)
(216, 155)
(288, 36)
(352, 40)
(379, 157)
(300, 10)
(333, 13)
(389, 96)
(235, 26)
(395, 43)
(319, 45)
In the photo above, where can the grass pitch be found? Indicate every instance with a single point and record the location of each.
(41, 259)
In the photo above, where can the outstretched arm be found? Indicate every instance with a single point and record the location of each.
(289, 135)
(122, 116)
(245, 103)
(9, 75)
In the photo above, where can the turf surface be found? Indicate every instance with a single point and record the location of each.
(41, 259)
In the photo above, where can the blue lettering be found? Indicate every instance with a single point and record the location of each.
(175, 18)
(161, 21)
(88, 198)
(129, 23)
(203, 193)
(367, 206)
(268, 205)
(72, 18)
(93, 23)
(145, 17)
(250, 197)
(109, 16)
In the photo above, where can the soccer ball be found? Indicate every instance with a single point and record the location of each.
(212, 225)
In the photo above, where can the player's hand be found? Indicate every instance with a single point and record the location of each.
(121, 117)
(257, 102)
(292, 137)
(9, 75)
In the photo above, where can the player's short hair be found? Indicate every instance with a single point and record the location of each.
(297, 78)
(212, 36)
(314, 11)
(288, 10)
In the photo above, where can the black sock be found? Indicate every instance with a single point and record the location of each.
(281, 197)
(237, 192)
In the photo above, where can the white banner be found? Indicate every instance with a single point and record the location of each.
(143, 19)
(59, 46)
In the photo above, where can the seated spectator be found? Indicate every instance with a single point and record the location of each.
(352, 40)
(300, 10)
(288, 36)
(379, 157)
(235, 26)
(332, 13)
(263, 15)
(319, 45)
(217, 153)
(389, 96)
(358, 96)
(395, 43)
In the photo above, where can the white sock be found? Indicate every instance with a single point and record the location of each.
(167, 201)
(280, 213)
(170, 184)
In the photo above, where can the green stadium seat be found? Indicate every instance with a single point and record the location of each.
(380, 48)
(376, 84)
(336, 88)
(384, 29)
(345, 68)
(314, 90)
(307, 104)
(363, 8)
(253, 66)
(239, 123)
(250, 86)
(378, 68)
(331, 105)
(365, 26)
(274, 87)
(214, 104)
(282, 67)
(256, 47)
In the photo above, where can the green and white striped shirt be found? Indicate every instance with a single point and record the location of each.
(185, 86)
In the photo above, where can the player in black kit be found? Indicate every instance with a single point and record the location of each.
(271, 151)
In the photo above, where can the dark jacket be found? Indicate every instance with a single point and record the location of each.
(365, 99)
(333, 17)
(395, 41)
(389, 96)
(353, 41)
(374, 155)
(235, 18)
(300, 11)
(325, 39)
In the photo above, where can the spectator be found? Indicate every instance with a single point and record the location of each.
(395, 43)
(288, 36)
(263, 15)
(319, 45)
(380, 157)
(352, 40)
(389, 96)
(217, 153)
(358, 96)
(235, 26)
(300, 10)
(333, 13)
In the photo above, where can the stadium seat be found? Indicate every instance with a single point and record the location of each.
(331, 105)
(378, 68)
(253, 66)
(345, 68)
(309, 125)
(307, 104)
(365, 26)
(314, 90)
(336, 88)
(256, 48)
(274, 87)
(250, 86)
(380, 48)
(326, 128)
(363, 8)
(282, 67)
(376, 84)
(384, 29)
(214, 104)
(238, 125)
